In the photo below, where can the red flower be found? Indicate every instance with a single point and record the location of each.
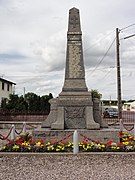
(64, 142)
(121, 134)
(109, 143)
(84, 142)
(121, 143)
(31, 141)
(41, 141)
(19, 142)
(128, 139)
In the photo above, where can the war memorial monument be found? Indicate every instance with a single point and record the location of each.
(73, 108)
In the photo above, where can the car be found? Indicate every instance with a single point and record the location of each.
(110, 113)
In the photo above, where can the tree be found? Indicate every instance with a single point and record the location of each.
(45, 105)
(95, 94)
(33, 101)
(3, 103)
(15, 103)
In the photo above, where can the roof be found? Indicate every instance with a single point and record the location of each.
(4, 80)
(130, 103)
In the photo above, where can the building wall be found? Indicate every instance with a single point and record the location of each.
(129, 106)
(6, 88)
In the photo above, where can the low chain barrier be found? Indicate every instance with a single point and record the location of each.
(75, 134)
(122, 125)
(12, 133)
(66, 137)
(18, 133)
(6, 137)
(88, 138)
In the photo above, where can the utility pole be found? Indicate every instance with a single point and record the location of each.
(118, 75)
(118, 69)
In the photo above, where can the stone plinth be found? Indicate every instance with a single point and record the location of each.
(102, 135)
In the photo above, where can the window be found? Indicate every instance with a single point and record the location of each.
(2, 85)
(7, 87)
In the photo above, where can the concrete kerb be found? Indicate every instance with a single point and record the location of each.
(63, 153)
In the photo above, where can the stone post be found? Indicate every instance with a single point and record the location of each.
(75, 142)
(12, 135)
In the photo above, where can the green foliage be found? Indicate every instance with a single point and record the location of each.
(3, 103)
(15, 103)
(95, 94)
(31, 102)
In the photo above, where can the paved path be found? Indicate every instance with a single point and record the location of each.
(68, 167)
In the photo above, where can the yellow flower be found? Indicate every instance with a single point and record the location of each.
(99, 146)
(69, 144)
(103, 146)
(15, 147)
(50, 148)
(126, 143)
(25, 143)
(38, 143)
(4, 147)
(48, 143)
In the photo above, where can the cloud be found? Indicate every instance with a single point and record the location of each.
(33, 44)
(11, 57)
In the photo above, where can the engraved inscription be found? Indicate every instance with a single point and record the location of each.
(74, 38)
(75, 117)
(74, 112)
(75, 69)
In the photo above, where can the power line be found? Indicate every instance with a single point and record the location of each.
(98, 41)
(127, 27)
(108, 72)
(103, 56)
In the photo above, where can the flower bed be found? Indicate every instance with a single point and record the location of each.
(25, 143)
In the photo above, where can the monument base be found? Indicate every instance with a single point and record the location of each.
(102, 135)
(71, 112)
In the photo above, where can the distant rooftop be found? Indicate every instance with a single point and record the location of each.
(5, 80)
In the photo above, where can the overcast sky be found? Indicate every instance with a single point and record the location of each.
(33, 44)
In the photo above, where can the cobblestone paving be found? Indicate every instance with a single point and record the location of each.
(68, 167)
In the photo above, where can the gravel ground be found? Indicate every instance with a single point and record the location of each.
(67, 167)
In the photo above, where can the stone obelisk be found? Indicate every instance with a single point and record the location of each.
(73, 108)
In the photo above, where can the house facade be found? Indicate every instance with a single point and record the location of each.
(129, 106)
(6, 88)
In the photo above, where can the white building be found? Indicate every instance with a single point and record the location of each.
(129, 106)
(6, 88)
